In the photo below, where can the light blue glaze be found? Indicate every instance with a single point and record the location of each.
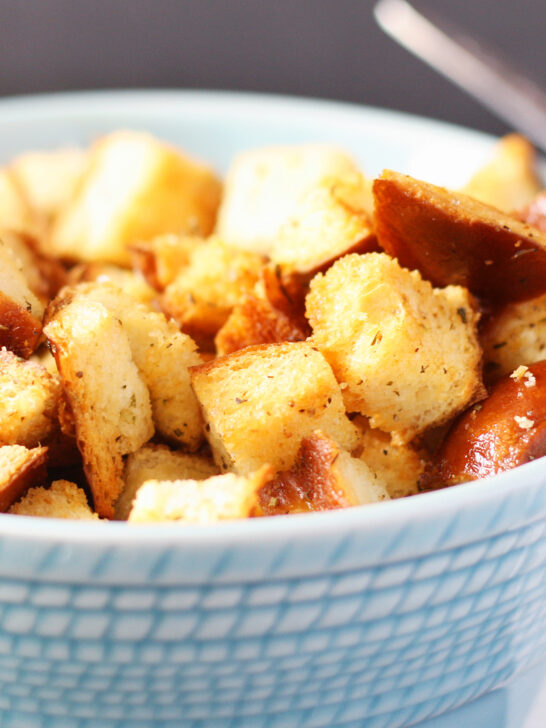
(380, 617)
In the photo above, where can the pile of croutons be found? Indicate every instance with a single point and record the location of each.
(297, 338)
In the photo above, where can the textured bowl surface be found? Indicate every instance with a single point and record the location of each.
(379, 617)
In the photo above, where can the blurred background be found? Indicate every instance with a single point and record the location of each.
(322, 48)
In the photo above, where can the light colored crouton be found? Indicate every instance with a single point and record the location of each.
(132, 283)
(48, 179)
(157, 462)
(108, 399)
(15, 212)
(203, 294)
(398, 466)
(509, 180)
(407, 354)
(264, 186)
(20, 469)
(20, 310)
(323, 478)
(329, 221)
(134, 188)
(220, 498)
(260, 402)
(515, 335)
(62, 499)
(29, 398)
(162, 354)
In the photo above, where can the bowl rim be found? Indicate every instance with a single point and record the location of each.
(295, 527)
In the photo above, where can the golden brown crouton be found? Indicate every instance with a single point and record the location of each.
(514, 335)
(134, 188)
(161, 259)
(162, 354)
(398, 466)
(323, 478)
(329, 221)
(264, 186)
(132, 283)
(254, 321)
(407, 355)
(158, 462)
(260, 402)
(509, 180)
(109, 401)
(20, 311)
(29, 398)
(48, 179)
(454, 239)
(62, 499)
(203, 294)
(272, 313)
(220, 498)
(20, 468)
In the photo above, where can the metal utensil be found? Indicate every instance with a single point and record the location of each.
(490, 79)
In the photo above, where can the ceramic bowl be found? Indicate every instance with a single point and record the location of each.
(379, 617)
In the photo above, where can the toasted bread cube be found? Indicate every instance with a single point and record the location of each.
(158, 462)
(162, 354)
(21, 312)
(134, 188)
(20, 469)
(29, 398)
(108, 399)
(204, 293)
(514, 335)
(398, 466)
(330, 220)
(408, 354)
(48, 179)
(161, 259)
(509, 180)
(62, 499)
(260, 402)
(453, 239)
(15, 212)
(132, 283)
(263, 188)
(323, 477)
(220, 498)
(254, 321)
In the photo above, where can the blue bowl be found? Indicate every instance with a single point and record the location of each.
(380, 616)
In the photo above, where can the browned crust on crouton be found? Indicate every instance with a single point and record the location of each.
(309, 485)
(454, 239)
(19, 330)
(255, 321)
(29, 468)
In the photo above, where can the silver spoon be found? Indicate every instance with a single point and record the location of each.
(483, 74)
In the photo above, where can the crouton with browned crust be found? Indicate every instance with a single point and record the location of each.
(20, 468)
(323, 477)
(108, 399)
(407, 355)
(259, 403)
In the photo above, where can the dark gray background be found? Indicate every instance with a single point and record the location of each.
(323, 48)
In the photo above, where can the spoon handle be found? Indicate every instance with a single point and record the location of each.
(491, 80)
